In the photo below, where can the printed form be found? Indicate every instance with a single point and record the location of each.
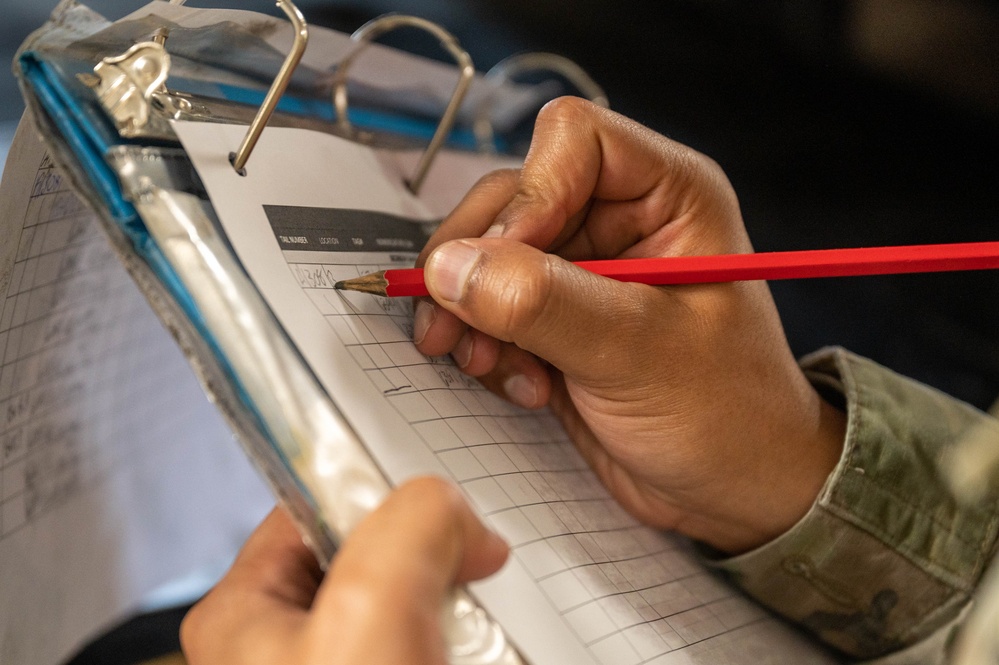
(586, 583)
(116, 474)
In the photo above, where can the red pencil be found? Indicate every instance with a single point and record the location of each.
(736, 267)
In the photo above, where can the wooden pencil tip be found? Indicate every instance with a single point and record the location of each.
(374, 284)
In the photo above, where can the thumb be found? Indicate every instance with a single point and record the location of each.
(424, 536)
(545, 305)
(381, 601)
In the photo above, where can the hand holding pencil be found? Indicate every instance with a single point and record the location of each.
(688, 403)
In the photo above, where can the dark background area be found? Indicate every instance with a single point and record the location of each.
(840, 123)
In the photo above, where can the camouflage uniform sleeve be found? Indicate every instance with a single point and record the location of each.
(887, 556)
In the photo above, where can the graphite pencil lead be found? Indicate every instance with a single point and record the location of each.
(375, 284)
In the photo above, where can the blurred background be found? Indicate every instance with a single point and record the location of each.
(840, 123)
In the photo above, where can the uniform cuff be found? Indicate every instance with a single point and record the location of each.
(887, 554)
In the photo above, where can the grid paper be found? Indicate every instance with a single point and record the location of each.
(81, 384)
(54, 307)
(631, 594)
(582, 600)
(116, 473)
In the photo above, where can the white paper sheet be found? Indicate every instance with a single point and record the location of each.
(586, 584)
(116, 473)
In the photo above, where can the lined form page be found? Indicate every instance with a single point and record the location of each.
(586, 583)
(116, 474)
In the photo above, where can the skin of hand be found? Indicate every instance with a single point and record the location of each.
(379, 603)
(686, 401)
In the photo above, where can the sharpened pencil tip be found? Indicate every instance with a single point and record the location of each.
(374, 283)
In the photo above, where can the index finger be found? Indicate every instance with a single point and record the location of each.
(581, 152)
(423, 539)
(384, 593)
(476, 210)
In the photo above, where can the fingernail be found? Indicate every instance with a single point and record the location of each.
(494, 231)
(462, 353)
(521, 390)
(423, 318)
(449, 267)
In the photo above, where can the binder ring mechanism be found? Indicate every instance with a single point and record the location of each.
(239, 158)
(508, 68)
(374, 29)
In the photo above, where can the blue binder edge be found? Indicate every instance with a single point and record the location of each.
(89, 134)
(89, 146)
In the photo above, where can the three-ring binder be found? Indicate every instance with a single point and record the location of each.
(534, 61)
(174, 230)
(132, 87)
(280, 84)
(379, 26)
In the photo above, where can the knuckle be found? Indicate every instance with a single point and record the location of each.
(372, 593)
(363, 598)
(440, 507)
(714, 173)
(700, 168)
(438, 500)
(526, 295)
(683, 162)
(565, 137)
(500, 180)
(710, 166)
(566, 109)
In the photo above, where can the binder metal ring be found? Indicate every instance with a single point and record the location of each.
(379, 26)
(506, 69)
(277, 88)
